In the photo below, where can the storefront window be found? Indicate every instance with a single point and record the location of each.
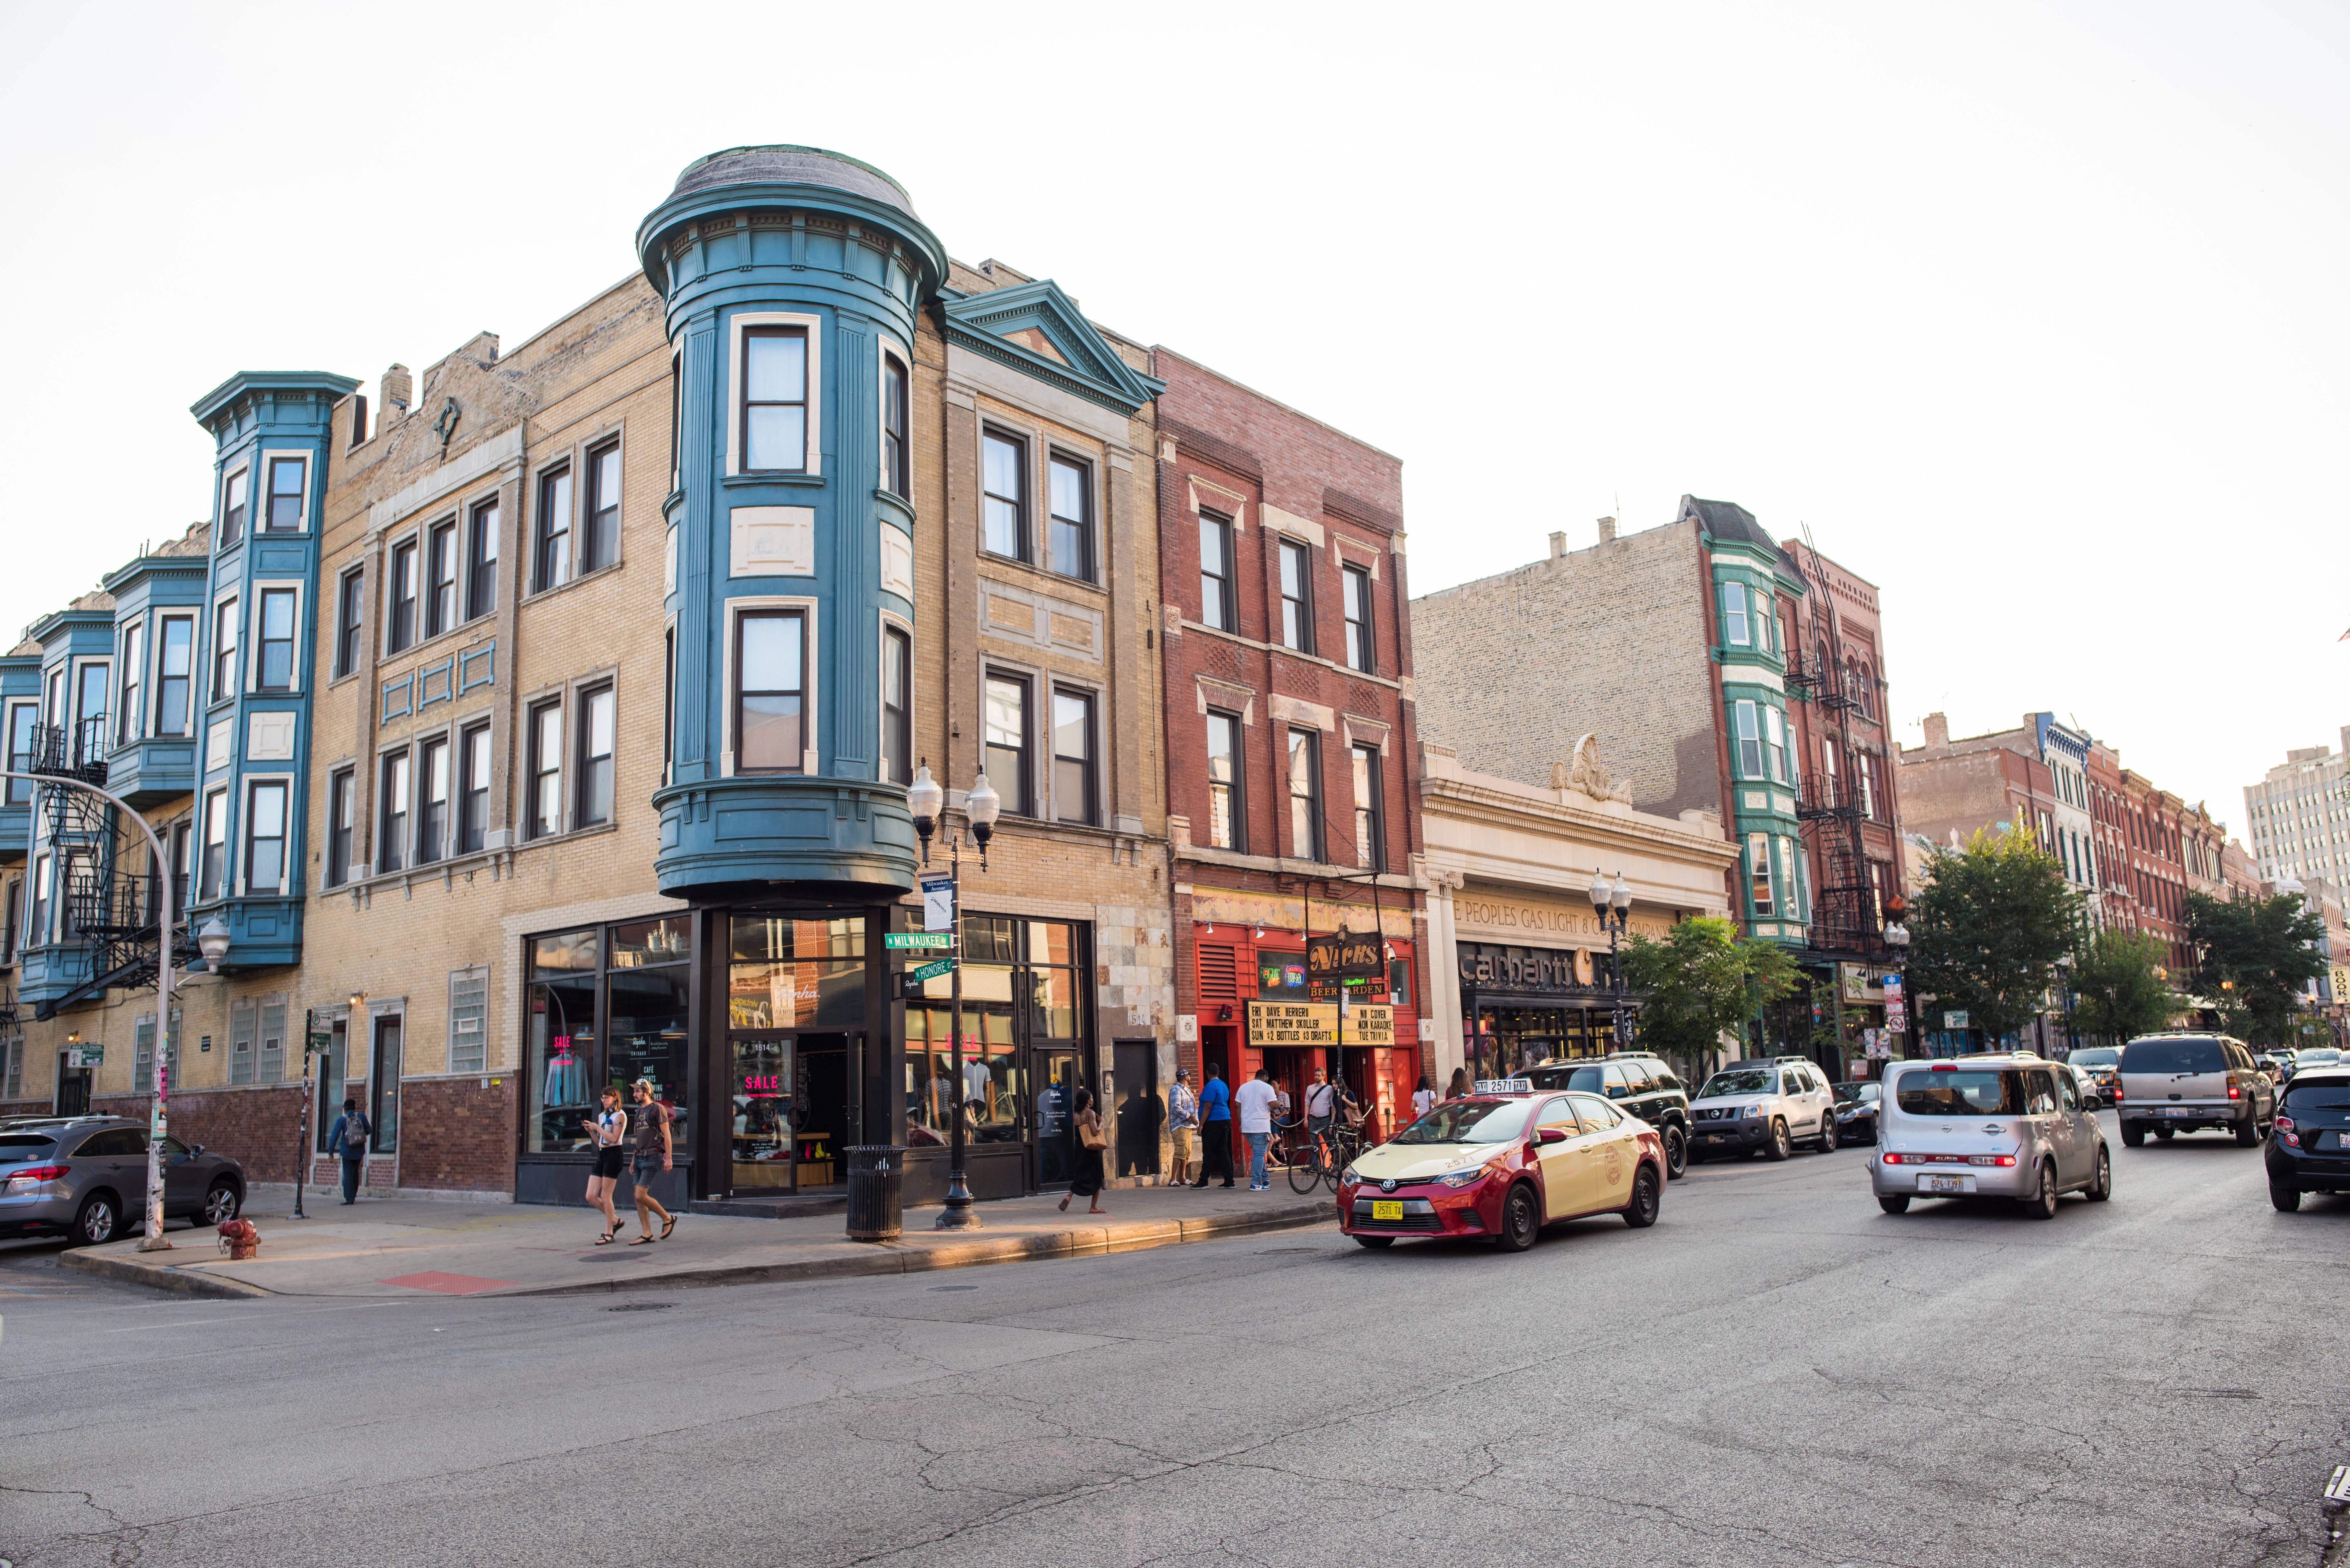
(763, 1112)
(1281, 976)
(784, 973)
(605, 1006)
(991, 1074)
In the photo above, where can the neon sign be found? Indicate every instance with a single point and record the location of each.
(763, 1083)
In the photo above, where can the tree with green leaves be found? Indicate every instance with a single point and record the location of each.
(2258, 956)
(1700, 979)
(1986, 929)
(2117, 988)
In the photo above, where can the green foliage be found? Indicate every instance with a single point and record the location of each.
(2117, 993)
(1986, 931)
(1700, 979)
(2258, 955)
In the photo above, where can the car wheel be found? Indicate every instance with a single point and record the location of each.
(222, 1203)
(97, 1222)
(2103, 1188)
(2044, 1206)
(2133, 1134)
(2248, 1131)
(2284, 1199)
(1521, 1220)
(1893, 1202)
(1646, 1194)
(1677, 1156)
(1375, 1242)
(1827, 1133)
(1781, 1145)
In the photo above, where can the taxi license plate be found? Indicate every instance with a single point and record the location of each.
(1946, 1184)
(1387, 1209)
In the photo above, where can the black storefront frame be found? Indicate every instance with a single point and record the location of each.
(560, 1176)
(1500, 977)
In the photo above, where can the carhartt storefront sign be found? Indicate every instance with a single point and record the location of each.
(1490, 969)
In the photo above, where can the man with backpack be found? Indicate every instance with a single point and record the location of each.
(349, 1140)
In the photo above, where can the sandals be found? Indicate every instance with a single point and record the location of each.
(667, 1226)
(605, 1240)
(643, 1241)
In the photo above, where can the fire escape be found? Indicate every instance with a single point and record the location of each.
(1830, 806)
(105, 908)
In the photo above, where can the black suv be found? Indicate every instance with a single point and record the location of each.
(1640, 1084)
(2309, 1146)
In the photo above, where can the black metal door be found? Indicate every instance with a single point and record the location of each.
(1139, 1110)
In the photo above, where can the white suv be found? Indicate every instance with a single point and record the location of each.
(1767, 1104)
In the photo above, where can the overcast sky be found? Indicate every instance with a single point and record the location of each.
(2036, 314)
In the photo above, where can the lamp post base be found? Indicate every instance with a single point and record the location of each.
(958, 1215)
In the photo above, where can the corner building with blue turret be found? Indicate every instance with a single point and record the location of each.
(544, 721)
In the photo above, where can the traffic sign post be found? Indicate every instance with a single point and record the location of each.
(896, 940)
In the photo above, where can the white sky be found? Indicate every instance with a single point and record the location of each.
(2035, 312)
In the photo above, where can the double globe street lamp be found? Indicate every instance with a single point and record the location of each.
(981, 808)
(1614, 907)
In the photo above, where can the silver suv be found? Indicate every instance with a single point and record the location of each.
(1769, 1103)
(2184, 1082)
(81, 1177)
(2010, 1126)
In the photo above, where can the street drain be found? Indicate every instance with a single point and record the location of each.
(643, 1306)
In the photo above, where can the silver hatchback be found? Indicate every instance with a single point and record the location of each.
(1988, 1126)
(85, 1179)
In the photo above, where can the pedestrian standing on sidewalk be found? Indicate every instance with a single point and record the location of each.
(1088, 1181)
(1423, 1098)
(1321, 1103)
(1254, 1101)
(1183, 1123)
(1215, 1128)
(653, 1160)
(349, 1140)
(607, 1133)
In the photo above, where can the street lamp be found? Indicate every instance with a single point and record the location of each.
(981, 808)
(1614, 907)
(213, 942)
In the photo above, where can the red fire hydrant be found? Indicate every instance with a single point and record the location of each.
(239, 1240)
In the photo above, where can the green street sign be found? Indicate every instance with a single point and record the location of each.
(918, 939)
(938, 971)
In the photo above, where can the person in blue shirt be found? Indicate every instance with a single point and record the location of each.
(1215, 1127)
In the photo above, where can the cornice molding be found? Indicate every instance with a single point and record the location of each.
(979, 322)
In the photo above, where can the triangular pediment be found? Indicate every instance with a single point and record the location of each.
(1035, 328)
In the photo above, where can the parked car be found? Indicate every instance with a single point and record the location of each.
(1638, 1083)
(1769, 1104)
(2309, 1146)
(2315, 1057)
(1501, 1166)
(2009, 1125)
(2277, 1064)
(80, 1177)
(2102, 1065)
(1856, 1111)
(2187, 1082)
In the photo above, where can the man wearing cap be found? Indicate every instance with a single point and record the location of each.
(1182, 1122)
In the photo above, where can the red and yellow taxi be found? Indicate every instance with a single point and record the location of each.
(1499, 1166)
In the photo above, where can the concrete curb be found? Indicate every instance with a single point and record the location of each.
(882, 1258)
(895, 1258)
(171, 1278)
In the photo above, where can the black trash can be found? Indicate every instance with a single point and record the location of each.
(876, 1191)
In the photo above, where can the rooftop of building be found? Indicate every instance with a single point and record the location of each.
(783, 164)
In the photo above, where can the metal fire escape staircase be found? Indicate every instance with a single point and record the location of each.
(1845, 912)
(106, 907)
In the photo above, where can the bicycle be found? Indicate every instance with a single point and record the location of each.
(1328, 1155)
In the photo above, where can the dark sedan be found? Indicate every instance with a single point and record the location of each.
(2309, 1146)
(1856, 1111)
(85, 1177)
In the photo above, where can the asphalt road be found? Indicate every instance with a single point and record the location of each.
(1775, 1373)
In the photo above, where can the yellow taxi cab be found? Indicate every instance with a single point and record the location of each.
(1499, 1165)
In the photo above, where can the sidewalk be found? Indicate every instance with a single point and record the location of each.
(403, 1247)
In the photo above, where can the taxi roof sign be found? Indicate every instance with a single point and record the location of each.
(1505, 1085)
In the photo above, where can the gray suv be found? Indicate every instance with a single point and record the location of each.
(82, 1177)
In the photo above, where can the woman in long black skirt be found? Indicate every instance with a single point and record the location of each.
(1088, 1181)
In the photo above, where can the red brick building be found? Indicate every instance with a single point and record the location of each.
(1292, 766)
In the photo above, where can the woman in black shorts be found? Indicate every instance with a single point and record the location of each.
(607, 1133)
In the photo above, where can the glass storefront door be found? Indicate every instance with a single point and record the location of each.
(1058, 1081)
(762, 1096)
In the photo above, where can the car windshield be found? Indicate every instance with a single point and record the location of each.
(1937, 1093)
(1470, 1121)
(2302, 1097)
(16, 1148)
(1747, 1081)
(1846, 1094)
(2178, 1056)
(2096, 1056)
(2321, 1057)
